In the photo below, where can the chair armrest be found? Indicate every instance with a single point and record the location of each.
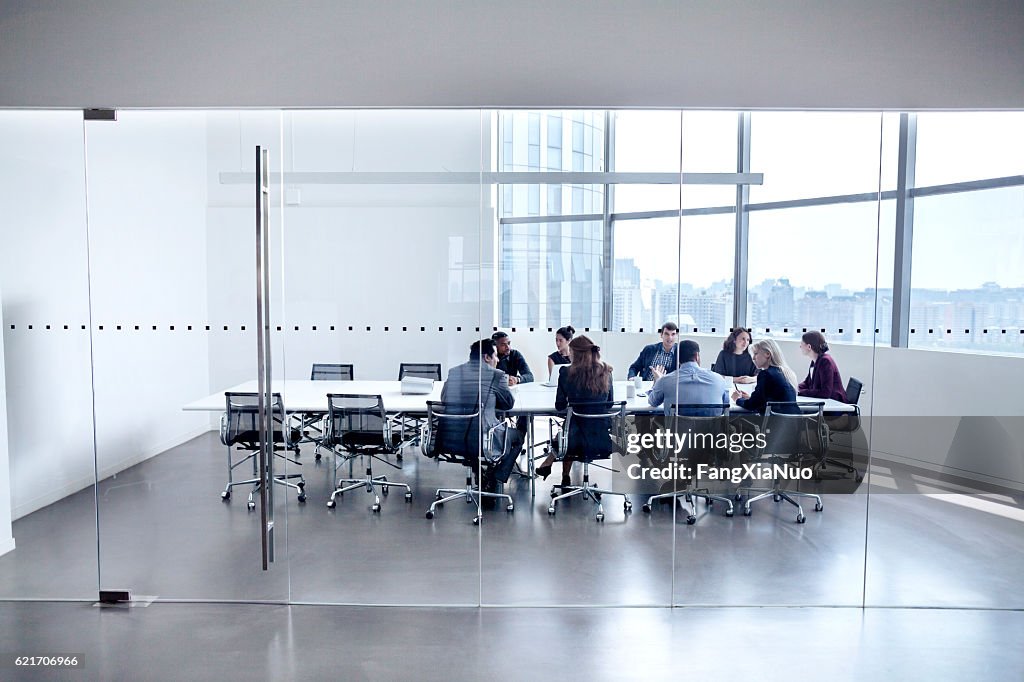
(224, 428)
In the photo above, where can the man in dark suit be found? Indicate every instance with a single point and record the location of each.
(477, 384)
(658, 359)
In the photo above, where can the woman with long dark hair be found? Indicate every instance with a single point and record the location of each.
(823, 380)
(586, 384)
(734, 359)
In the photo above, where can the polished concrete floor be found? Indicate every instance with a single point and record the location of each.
(914, 542)
(165, 532)
(264, 642)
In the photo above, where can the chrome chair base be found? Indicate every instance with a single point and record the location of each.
(369, 481)
(588, 492)
(279, 479)
(778, 494)
(687, 497)
(471, 494)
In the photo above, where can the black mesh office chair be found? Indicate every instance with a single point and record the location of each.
(323, 371)
(423, 370)
(239, 427)
(420, 370)
(591, 431)
(451, 433)
(846, 423)
(314, 421)
(357, 426)
(794, 432)
(701, 425)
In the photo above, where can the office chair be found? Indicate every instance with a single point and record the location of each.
(239, 426)
(358, 426)
(591, 431)
(451, 433)
(792, 431)
(423, 370)
(846, 423)
(322, 371)
(704, 423)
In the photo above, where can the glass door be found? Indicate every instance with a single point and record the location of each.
(173, 284)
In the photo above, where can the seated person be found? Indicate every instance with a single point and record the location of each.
(511, 361)
(823, 380)
(734, 359)
(657, 359)
(586, 384)
(478, 384)
(774, 381)
(689, 384)
(561, 355)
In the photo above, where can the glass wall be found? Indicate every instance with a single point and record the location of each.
(129, 299)
(46, 457)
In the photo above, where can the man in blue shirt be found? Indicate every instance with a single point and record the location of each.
(689, 384)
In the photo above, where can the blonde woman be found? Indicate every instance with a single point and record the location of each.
(775, 381)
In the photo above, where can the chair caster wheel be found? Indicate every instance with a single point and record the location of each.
(737, 497)
(747, 512)
(818, 506)
(800, 518)
(398, 457)
(330, 504)
(302, 497)
(226, 495)
(375, 508)
(554, 493)
(251, 505)
(708, 503)
(430, 514)
(690, 520)
(600, 518)
(729, 513)
(408, 498)
(476, 520)
(385, 490)
(776, 498)
(551, 511)
(510, 507)
(646, 508)
(318, 457)
(627, 506)
(437, 496)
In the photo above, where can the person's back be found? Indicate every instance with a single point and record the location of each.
(690, 385)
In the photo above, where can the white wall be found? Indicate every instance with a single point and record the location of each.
(44, 281)
(645, 53)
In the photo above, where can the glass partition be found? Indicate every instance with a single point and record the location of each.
(173, 284)
(947, 469)
(388, 251)
(129, 296)
(46, 422)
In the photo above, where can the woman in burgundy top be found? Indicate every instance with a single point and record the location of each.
(823, 380)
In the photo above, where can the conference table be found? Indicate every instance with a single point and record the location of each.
(532, 399)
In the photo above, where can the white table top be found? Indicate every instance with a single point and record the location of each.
(304, 395)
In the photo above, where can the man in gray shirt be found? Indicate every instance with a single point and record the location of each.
(689, 384)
